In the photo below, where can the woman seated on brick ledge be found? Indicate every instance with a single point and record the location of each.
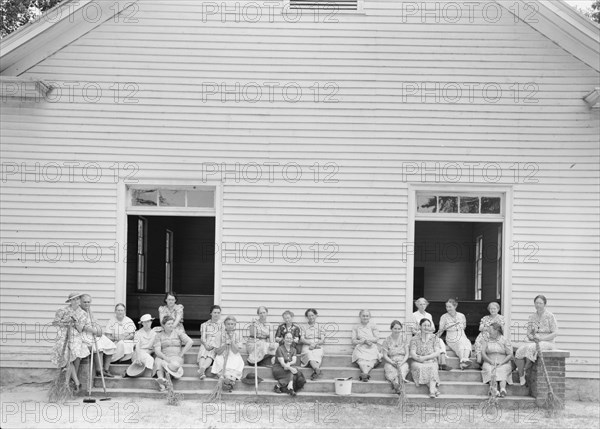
(496, 352)
(541, 328)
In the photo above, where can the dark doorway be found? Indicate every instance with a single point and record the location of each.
(171, 254)
(459, 260)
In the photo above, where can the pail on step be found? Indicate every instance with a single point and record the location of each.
(343, 386)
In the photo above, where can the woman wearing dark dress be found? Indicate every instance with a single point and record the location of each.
(289, 378)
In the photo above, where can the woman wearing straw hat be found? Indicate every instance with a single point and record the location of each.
(169, 353)
(541, 328)
(143, 347)
(209, 331)
(228, 363)
(497, 355)
(71, 320)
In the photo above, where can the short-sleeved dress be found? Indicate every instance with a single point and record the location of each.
(311, 333)
(487, 321)
(424, 372)
(363, 351)
(544, 325)
(144, 345)
(456, 338)
(235, 362)
(124, 348)
(170, 346)
(294, 329)
(76, 348)
(497, 350)
(263, 346)
(177, 310)
(209, 331)
(283, 376)
(396, 351)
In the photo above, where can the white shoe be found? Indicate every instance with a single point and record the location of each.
(522, 380)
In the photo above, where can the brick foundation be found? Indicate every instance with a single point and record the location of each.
(555, 365)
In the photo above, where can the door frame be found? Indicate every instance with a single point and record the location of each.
(123, 210)
(506, 209)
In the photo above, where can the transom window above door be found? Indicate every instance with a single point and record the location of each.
(193, 196)
(438, 203)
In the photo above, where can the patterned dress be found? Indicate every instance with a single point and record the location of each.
(312, 333)
(396, 351)
(170, 346)
(456, 338)
(263, 346)
(497, 350)
(363, 351)
(544, 325)
(284, 376)
(209, 331)
(424, 372)
(484, 335)
(176, 311)
(293, 329)
(76, 348)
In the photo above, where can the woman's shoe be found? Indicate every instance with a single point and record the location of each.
(291, 392)
(445, 367)
(522, 380)
(277, 389)
(502, 393)
(107, 374)
(432, 395)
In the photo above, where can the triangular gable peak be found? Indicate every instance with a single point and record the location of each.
(55, 29)
(72, 19)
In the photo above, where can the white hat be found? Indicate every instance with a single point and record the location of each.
(145, 318)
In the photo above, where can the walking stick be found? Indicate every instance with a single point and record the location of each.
(105, 398)
(88, 399)
(255, 363)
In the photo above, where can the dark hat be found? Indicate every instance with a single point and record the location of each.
(249, 378)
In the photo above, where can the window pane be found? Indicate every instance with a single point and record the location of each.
(201, 198)
(143, 197)
(469, 204)
(490, 205)
(172, 198)
(448, 204)
(426, 204)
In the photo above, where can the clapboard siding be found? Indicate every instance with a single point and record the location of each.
(371, 135)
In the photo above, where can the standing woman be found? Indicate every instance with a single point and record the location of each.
(424, 350)
(173, 310)
(288, 325)
(541, 328)
(263, 347)
(227, 347)
(313, 337)
(496, 352)
(209, 331)
(72, 320)
(395, 354)
(455, 323)
(289, 378)
(366, 350)
(484, 327)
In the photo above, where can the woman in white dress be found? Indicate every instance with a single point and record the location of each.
(313, 338)
(120, 329)
(209, 331)
(228, 345)
(455, 323)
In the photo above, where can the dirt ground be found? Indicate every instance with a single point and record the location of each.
(26, 407)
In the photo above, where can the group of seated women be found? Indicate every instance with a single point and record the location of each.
(419, 350)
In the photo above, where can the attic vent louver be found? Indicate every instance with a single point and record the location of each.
(324, 4)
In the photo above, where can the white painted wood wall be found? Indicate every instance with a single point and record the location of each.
(371, 135)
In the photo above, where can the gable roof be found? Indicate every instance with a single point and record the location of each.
(66, 22)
